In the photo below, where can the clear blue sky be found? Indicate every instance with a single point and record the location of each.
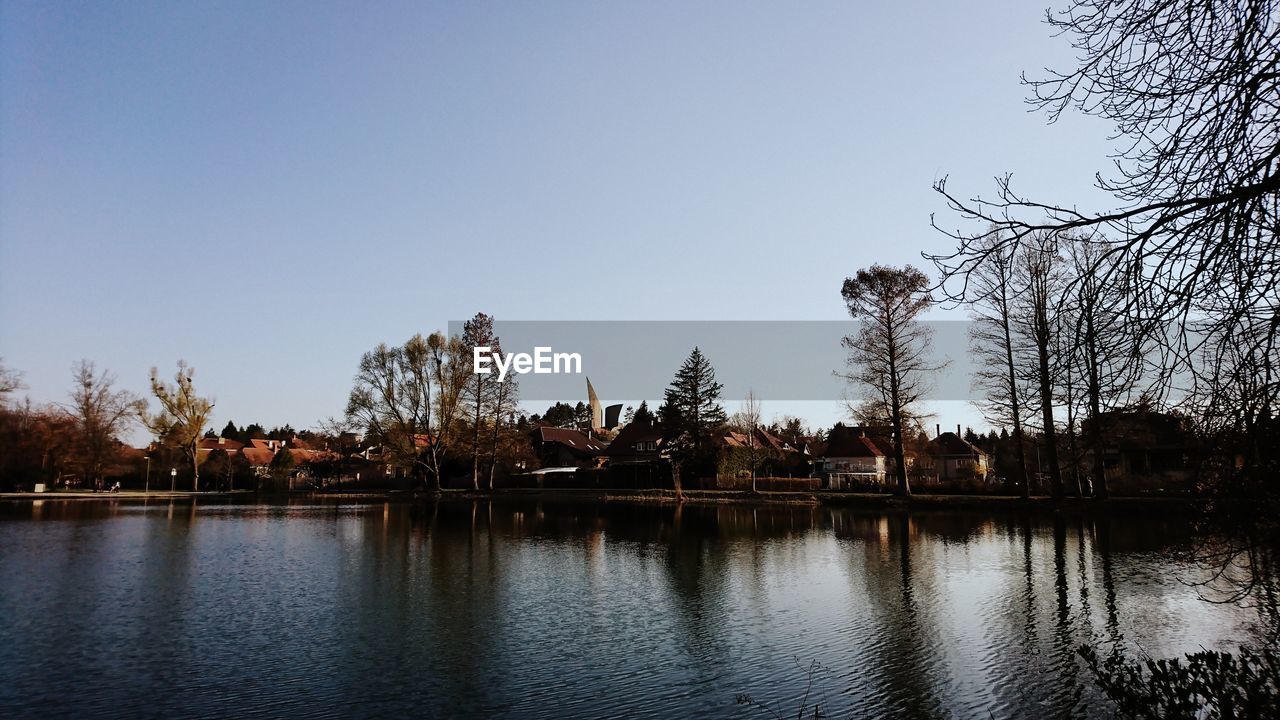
(269, 189)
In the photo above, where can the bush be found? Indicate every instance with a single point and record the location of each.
(1205, 685)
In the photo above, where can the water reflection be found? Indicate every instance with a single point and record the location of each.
(561, 609)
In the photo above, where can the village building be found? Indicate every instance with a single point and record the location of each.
(1143, 450)
(850, 459)
(952, 458)
(562, 447)
(637, 442)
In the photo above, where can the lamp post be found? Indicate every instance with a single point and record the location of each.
(173, 479)
(146, 487)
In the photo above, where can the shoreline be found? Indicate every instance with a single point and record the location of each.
(658, 497)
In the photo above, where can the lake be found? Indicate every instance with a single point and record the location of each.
(553, 609)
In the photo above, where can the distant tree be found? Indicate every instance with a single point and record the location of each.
(993, 342)
(480, 388)
(789, 428)
(1192, 91)
(101, 414)
(643, 414)
(559, 415)
(889, 354)
(1039, 263)
(10, 381)
(217, 465)
(282, 465)
(252, 431)
(282, 432)
(506, 402)
(230, 432)
(392, 400)
(691, 414)
(628, 415)
(1102, 347)
(747, 422)
(582, 416)
(182, 415)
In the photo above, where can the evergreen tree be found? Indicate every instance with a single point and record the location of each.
(281, 465)
(643, 414)
(690, 414)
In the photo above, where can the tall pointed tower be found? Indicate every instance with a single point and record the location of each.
(597, 413)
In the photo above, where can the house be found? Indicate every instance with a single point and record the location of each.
(562, 447)
(849, 458)
(209, 444)
(637, 442)
(951, 458)
(1143, 449)
(763, 440)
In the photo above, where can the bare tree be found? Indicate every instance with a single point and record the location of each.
(890, 353)
(992, 340)
(101, 414)
(450, 368)
(10, 380)
(392, 400)
(182, 415)
(480, 388)
(747, 422)
(1194, 92)
(1105, 354)
(506, 401)
(1039, 264)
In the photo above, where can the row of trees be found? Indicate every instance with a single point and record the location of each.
(1176, 287)
(428, 412)
(81, 437)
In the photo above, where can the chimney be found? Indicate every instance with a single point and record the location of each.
(937, 430)
(222, 440)
(958, 430)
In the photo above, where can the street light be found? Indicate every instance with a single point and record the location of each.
(146, 488)
(173, 479)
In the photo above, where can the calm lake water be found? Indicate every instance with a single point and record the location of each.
(557, 609)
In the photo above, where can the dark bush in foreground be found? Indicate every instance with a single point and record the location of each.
(1203, 685)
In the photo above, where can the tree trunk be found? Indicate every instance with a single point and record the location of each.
(1100, 490)
(675, 481)
(1046, 408)
(475, 441)
(195, 465)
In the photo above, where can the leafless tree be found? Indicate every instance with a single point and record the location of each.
(182, 415)
(1194, 93)
(506, 401)
(747, 422)
(10, 380)
(889, 355)
(450, 368)
(480, 388)
(1039, 265)
(992, 340)
(392, 400)
(1104, 351)
(101, 413)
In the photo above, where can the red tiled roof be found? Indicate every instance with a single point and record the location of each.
(220, 442)
(258, 456)
(850, 442)
(573, 439)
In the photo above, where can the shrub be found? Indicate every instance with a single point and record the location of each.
(1206, 684)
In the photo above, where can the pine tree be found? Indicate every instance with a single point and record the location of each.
(690, 413)
(643, 414)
